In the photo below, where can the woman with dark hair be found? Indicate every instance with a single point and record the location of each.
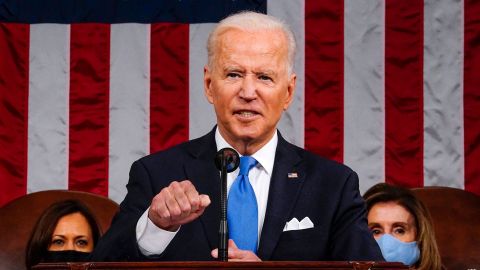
(66, 231)
(401, 225)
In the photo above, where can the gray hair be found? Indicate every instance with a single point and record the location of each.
(252, 21)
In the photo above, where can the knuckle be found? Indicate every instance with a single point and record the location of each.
(174, 185)
(163, 195)
(165, 215)
(187, 183)
(186, 208)
(195, 202)
(175, 211)
(171, 202)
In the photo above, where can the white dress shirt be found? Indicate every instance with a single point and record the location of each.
(153, 240)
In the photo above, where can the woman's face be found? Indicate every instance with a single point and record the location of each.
(394, 219)
(72, 233)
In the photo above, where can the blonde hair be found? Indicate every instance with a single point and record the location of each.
(429, 255)
(252, 21)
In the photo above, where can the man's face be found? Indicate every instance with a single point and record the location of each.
(249, 86)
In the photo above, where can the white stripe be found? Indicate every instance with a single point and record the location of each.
(48, 107)
(443, 93)
(364, 119)
(129, 102)
(292, 123)
(201, 114)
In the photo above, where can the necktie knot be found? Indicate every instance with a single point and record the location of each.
(246, 163)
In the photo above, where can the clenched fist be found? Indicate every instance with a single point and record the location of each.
(177, 204)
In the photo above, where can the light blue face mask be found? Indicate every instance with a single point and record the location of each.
(394, 250)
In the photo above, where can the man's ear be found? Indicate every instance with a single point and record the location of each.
(290, 91)
(207, 83)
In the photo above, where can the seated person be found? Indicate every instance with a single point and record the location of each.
(66, 231)
(401, 225)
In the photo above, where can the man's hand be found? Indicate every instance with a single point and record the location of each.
(177, 204)
(237, 255)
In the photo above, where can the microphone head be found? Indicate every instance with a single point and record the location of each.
(231, 158)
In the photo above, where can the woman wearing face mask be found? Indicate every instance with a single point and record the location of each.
(66, 231)
(401, 225)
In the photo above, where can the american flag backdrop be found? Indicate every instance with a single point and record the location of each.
(389, 87)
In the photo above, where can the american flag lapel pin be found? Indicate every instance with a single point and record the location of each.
(292, 175)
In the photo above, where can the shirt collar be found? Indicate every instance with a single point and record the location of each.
(265, 155)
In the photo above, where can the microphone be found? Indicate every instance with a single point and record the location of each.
(230, 157)
(227, 161)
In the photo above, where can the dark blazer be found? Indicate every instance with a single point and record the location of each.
(325, 191)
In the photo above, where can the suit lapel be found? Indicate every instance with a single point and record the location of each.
(283, 191)
(205, 177)
(283, 194)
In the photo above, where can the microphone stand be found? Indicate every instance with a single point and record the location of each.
(223, 231)
(226, 160)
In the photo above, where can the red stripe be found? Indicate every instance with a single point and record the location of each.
(324, 78)
(404, 92)
(169, 85)
(89, 107)
(471, 98)
(14, 55)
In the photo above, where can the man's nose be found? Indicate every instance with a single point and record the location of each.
(249, 88)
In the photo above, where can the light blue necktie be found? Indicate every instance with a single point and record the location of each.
(242, 211)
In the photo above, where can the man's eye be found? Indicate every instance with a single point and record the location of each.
(233, 75)
(264, 78)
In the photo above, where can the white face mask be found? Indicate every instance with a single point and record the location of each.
(394, 250)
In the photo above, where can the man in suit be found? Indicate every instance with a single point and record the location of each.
(172, 209)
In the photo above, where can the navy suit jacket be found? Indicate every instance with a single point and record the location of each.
(325, 191)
